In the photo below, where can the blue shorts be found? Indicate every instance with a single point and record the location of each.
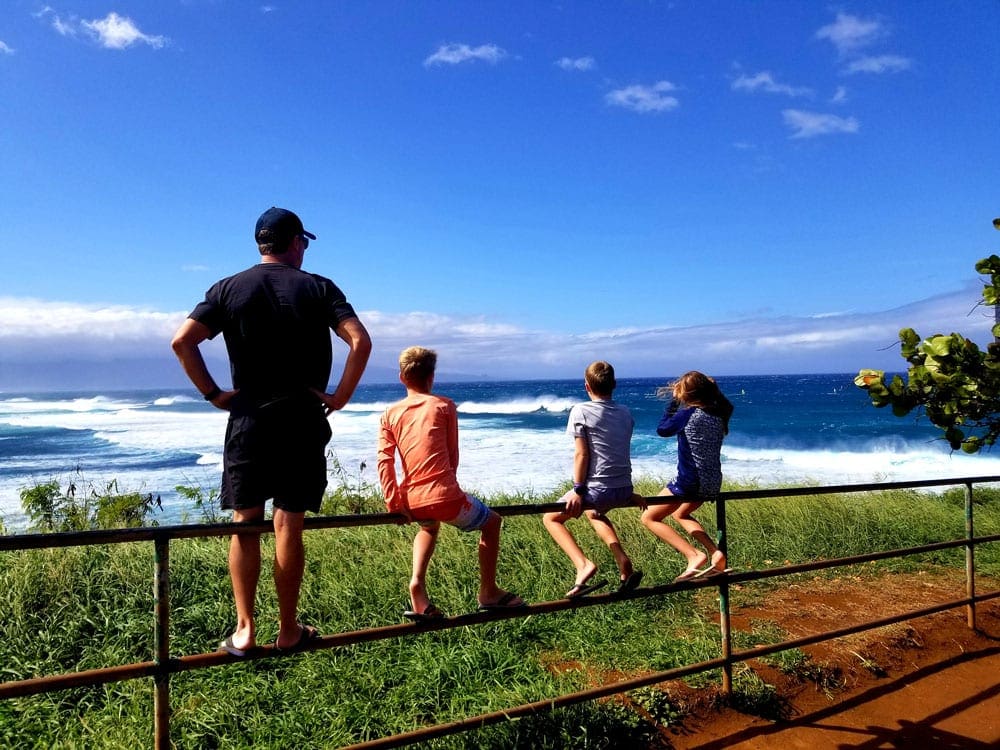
(472, 515)
(694, 493)
(603, 499)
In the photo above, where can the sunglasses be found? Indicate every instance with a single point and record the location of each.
(305, 241)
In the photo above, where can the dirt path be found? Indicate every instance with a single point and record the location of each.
(926, 683)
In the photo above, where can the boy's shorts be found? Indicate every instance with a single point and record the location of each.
(603, 499)
(467, 514)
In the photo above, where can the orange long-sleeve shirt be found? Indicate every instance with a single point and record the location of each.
(423, 429)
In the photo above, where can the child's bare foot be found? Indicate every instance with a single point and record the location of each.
(418, 597)
(585, 573)
(695, 562)
(718, 560)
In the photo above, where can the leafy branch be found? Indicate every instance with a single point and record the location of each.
(954, 382)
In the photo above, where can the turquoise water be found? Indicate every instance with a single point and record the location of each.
(786, 430)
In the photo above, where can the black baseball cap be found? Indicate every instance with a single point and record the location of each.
(279, 226)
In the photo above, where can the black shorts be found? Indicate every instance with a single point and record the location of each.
(276, 453)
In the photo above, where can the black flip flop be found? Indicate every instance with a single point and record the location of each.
(307, 633)
(430, 613)
(582, 589)
(631, 583)
(504, 602)
(232, 650)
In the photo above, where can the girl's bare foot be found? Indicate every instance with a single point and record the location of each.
(718, 560)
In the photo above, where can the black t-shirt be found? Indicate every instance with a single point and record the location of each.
(276, 321)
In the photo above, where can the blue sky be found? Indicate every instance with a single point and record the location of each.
(736, 187)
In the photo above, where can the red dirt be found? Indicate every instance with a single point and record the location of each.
(925, 683)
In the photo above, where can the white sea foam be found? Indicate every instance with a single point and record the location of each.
(535, 404)
(171, 400)
(497, 454)
(76, 405)
(552, 404)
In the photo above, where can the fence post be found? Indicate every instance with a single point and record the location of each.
(161, 642)
(970, 559)
(724, 624)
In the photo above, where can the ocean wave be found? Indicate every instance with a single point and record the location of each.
(172, 400)
(533, 405)
(371, 406)
(73, 405)
(551, 404)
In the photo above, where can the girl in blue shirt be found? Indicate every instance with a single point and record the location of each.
(699, 416)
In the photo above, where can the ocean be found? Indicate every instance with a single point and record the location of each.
(787, 430)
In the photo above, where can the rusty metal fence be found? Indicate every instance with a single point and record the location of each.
(163, 665)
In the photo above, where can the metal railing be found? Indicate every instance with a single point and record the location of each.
(163, 665)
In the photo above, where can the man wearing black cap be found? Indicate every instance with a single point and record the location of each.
(276, 321)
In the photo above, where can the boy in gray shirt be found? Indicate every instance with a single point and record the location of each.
(602, 479)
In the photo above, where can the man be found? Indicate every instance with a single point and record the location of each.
(276, 321)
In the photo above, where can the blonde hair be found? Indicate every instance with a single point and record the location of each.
(600, 376)
(694, 389)
(416, 365)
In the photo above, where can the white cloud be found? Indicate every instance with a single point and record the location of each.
(849, 33)
(119, 32)
(6, 49)
(453, 54)
(44, 331)
(764, 81)
(839, 96)
(51, 329)
(111, 32)
(644, 98)
(810, 124)
(577, 63)
(193, 268)
(878, 64)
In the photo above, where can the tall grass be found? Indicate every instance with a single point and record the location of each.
(82, 608)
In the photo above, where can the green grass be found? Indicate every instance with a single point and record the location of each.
(82, 608)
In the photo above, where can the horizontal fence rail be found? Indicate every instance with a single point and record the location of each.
(163, 665)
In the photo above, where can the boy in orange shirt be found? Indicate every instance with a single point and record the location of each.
(423, 428)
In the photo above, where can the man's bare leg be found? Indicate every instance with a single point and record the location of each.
(289, 567)
(244, 572)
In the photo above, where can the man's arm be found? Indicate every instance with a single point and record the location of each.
(354, 334)
(185, 345)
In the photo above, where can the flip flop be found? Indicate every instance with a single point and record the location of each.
(430, 613)
(507, 601)
(631, 583)
(582, 589)
(307, 633)
(711, 572)
(231, 649)
(688, 575)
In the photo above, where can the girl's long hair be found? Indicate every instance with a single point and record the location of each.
(696, 389)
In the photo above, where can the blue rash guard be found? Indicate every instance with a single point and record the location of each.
(699, 446)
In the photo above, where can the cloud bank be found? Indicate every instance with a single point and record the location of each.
(46, 334)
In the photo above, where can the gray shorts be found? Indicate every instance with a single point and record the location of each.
(603, 499)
